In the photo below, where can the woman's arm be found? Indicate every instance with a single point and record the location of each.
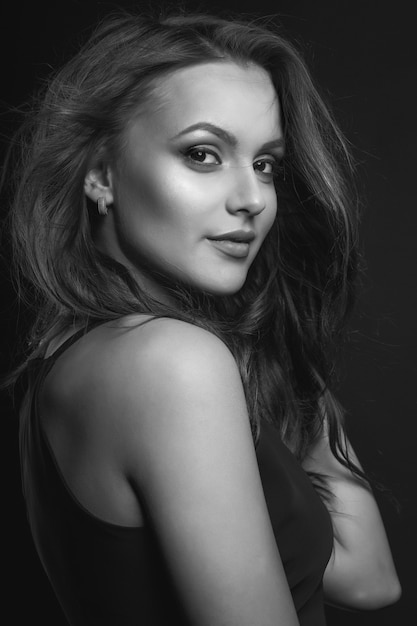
(188, 450)
(361, 573)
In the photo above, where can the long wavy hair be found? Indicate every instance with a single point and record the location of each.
(286, 324)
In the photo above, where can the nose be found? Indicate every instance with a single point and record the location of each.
(246, 193)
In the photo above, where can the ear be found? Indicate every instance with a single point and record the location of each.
(98, 184)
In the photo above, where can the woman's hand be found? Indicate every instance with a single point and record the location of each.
(361, 573)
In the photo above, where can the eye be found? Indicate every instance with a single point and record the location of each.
(202, 157)
(265, 167)
(268, 168)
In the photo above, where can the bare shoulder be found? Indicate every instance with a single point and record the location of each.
(171, 346)
(175, 384)
(135, 355)
(158, 334)
(121, 367)
(169, 363)
(137, 384)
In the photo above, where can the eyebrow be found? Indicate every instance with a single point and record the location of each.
(227, 136)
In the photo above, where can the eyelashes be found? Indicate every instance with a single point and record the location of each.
(206, 159)
(202, 156)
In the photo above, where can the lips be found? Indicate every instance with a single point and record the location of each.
(238, 236)
(234, 244)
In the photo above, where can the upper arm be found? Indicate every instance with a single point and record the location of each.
(189, 451)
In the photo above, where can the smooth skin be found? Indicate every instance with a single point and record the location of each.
(182, 438)
(173, 188)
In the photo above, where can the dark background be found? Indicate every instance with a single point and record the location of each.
(362, 54)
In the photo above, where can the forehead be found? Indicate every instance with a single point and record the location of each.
(240, 98)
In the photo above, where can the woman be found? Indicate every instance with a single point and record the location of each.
(183, 214)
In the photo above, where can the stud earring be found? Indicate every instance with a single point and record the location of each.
(102, 206)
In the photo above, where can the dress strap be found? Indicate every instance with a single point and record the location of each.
(72, 339)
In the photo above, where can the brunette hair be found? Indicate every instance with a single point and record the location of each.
(285, 324)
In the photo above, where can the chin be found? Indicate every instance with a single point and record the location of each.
(220, 284)
(223, 288)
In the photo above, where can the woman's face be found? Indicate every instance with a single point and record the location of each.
(193, 191)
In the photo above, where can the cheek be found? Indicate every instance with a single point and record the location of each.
(140, 193)
(162, 194)
(269, 215)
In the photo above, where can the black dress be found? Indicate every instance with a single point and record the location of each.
(109, 575)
